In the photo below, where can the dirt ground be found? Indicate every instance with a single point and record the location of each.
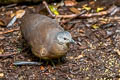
(96, 56)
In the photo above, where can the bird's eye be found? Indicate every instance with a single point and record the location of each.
(65, 38)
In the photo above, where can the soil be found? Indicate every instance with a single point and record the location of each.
(96, 56)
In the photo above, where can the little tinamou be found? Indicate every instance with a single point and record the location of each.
(47, 38)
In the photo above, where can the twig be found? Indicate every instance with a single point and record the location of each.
(10, 5)
(74, 17)
(20, 63)
(7, 55)
(115, 10)
(66, 16)
(111, 10)
(46, 5)
(112, 18)
(8, 31)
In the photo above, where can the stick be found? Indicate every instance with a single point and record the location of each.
(8, 31)
(74, 17)
(110, 10)
(46, 5)
(7, 55)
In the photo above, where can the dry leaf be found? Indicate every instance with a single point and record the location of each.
(1, 51)
(92, 2)
(70, 2)
(2, 23)
(118, 51)
(99, 9)
(53, 10)
(20, 13)
(16, 15)
(31, 7)
(74, 10)
(42, 68)
(78, 57)
(119, 70)
(1, 75)
(95, 26)
(12, 15)
(70, 57)
(2, 37)
(86, 7)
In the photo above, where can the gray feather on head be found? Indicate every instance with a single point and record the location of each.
(64, 37)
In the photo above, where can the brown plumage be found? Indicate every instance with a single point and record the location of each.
(41, 34)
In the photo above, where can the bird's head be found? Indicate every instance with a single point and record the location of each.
(64, 37)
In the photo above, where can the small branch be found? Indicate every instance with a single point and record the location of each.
(115, 11)
(8, 31)
(110, 18)
(11, 5)
(112, 10)
(20, 63)
(46, 5)
(7, 55)
(74, 17)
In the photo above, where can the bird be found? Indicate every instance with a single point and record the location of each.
(47, 39)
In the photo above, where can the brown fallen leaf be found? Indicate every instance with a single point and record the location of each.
(20, 13)
(16, 15)
(92, 2)
(70, 2)
(2, 23)
(42, 68)
(78, 57)
(70, 57)
(118, 51)
(74, 10)
(1, 75)
(2, 37)
(1, 50)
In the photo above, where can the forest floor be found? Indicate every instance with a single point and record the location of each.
(96, 56)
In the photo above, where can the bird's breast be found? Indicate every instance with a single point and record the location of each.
(60, 50)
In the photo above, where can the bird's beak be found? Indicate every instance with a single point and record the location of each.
(72, 41)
